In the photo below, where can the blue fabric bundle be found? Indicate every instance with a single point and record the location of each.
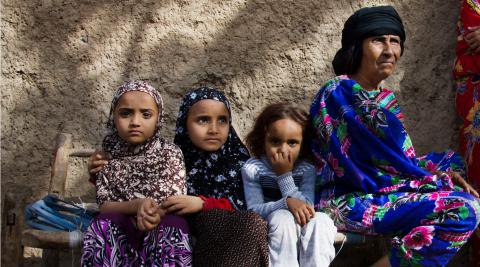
(54, 214)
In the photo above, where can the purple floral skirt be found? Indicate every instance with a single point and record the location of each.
(113, 240)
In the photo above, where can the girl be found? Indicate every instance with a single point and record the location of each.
(132, 229)
(279, 185)
(226, 235)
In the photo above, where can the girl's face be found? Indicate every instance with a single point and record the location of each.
(284, 136)
(135, 116)
(208, 124)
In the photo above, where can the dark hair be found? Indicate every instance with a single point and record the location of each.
(347, 61)
(255, 139)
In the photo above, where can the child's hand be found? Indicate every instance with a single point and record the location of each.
(97, 161)
(148, 215)
(281, 162)
(300, 210)
(183, 204)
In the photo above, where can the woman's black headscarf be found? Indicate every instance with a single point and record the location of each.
(364, 23)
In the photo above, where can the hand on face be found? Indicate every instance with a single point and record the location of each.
(282, 162)
(300, 210)
(208, 123)
(473, 39)
(183, 204)
(283, 142)
(148, 215)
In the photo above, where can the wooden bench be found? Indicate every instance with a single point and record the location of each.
(52, 242)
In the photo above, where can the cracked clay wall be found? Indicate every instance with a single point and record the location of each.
(61, 60)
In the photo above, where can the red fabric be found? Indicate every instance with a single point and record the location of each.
(466, 74)
(216, 203)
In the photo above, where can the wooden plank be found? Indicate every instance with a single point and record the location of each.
(43, 239)
(63, 145)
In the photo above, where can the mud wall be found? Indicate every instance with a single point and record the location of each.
(62, 60)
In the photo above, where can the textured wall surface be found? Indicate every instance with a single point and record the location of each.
(62, 60)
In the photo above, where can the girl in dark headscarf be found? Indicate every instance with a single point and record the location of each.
(132, 230)
(371, 180)
(226, 234)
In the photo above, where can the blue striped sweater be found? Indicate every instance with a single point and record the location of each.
(266, 192)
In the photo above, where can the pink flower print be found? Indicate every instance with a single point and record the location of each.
(390, 189)
(345, 146)
(430, 166)
(419, 237)
(415, 184)
(367, 219)
(327, 119)
(446, 204)
(410, 152)
(437, 195)
(334, 163)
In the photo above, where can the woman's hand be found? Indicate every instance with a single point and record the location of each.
(281, 162)
(183, 204)
(97, 161)
(300, 210)
(148, 214)
(458, 180)
(473, 38)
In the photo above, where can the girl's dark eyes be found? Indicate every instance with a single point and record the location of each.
(274, 141)
(147, 115)
(124, 113)
(293, 142)
(203, 120)
(223, 120)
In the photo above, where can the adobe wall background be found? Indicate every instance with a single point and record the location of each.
(62, 60)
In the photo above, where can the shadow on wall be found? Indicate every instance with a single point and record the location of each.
(70, 56)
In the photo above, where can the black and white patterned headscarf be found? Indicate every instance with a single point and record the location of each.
(212, 174)
(153, 169)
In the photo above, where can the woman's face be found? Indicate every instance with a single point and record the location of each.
(380, 56)
(208, 124)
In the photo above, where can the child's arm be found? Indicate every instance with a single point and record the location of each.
(147, 212)
(306, 191)
(254, 193)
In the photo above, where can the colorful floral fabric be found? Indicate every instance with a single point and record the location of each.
(212, 174)
(467, 78)
(371, 181)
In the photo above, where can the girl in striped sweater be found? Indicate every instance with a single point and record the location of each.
(279, 185)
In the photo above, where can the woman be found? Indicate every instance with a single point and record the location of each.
(370, 180)
(467, 78)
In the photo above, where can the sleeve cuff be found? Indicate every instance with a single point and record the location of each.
(286, 184)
